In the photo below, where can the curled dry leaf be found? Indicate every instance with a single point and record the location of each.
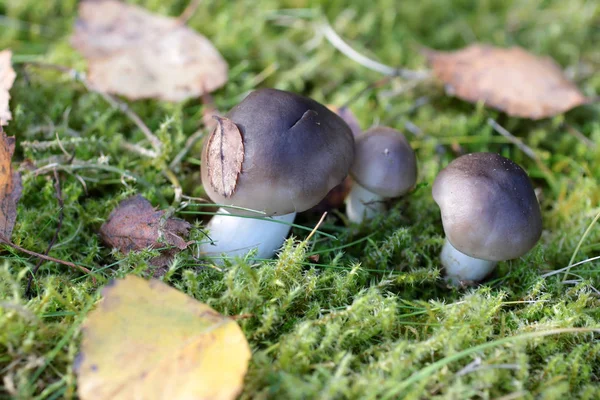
(511, 80)
(135, 53)
(225, 152)
(149, 341)
(135, 225)
(7, 78)
(10, 186)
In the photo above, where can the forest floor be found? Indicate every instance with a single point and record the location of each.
(370, 317)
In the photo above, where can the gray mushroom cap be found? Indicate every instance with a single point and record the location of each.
(292, 151)
(489, 209)
(384, 162)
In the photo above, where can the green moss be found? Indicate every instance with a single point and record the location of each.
(372, 311)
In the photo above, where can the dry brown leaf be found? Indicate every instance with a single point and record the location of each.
(225, 152)
(7, 78)
(135, 53)
(135, 225)
(149, 341)
(10, 186)
(511, 80)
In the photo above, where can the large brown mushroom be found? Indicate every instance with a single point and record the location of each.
(277, 153)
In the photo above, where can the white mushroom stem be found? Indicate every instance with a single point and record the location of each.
(235, 236)
(461, 267)
(362, 204)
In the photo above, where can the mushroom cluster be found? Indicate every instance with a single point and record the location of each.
(277, 153)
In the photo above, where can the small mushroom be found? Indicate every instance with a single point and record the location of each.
(489, 212)
(385, 166)
(277, 153)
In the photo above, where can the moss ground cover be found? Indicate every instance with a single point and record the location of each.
(369, 317)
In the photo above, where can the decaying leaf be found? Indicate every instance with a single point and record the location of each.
(141, 55)
(10, 186)
(136, 225)
(149, 341)
(225, 154)
(511, 80)
(7, 78)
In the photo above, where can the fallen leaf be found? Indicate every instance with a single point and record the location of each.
(225, 155)
(7, 78)
(511, 80)
(149, 341)
(10, 186)
(135, 53)
(136, 225)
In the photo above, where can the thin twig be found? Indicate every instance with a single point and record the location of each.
(241, 316)
(189, 143)
(7, 242)
(122, 106)
(316, 227)
(178, 192)
(365, 61)
(568, 267)
(581, 240)
(136, 148)
(588, 142)
(513, 139)
(208, 112)
(112, 100)
(189, 12)
(61, 213)
(524, 148)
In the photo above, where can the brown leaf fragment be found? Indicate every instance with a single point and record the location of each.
(225, 154)
(137, 54)
(511, 80)
(10, 186)
(135, 225)
(7, 78)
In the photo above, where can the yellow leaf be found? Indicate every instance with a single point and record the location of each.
(148, 341)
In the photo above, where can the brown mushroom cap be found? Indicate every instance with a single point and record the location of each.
(294, 151)
(489, 209)
(384, 163)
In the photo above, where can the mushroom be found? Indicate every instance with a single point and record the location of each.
(277, 153)
(489, 212)
(384, 167)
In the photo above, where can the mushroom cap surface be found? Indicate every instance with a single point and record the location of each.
(294, 152)
(384, 162)
(489, 209)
